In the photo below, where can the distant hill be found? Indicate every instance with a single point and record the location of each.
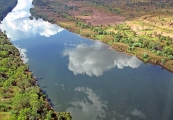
(127, 8)
(6, 6)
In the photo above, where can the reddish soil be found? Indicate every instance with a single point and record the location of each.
(97, 17)
(101, 18)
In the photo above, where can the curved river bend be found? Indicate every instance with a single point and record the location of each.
(86, 78)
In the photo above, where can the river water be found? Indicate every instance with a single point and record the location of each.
(85, 77)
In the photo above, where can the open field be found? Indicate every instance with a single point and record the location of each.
(92, 15)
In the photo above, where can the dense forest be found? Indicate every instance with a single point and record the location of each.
(6, 6)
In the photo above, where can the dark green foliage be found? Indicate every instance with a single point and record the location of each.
(61, 9)
(41, 3)
(6, 6)
(64, 116)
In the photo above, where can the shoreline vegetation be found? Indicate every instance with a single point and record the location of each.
(20, 96)
(140, 28)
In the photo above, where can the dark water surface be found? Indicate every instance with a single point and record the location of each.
(85, 77)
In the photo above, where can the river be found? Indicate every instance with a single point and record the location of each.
(85, 77)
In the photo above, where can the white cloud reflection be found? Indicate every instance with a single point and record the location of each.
(137, 113)
(89, 108)
(19, 26)
(95, 59)
(23, 54)
(92, 107)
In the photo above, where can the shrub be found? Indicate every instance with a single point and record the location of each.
(137, 44)
(116, 40)
(170, 57)
(129, 49)
(163, 61)
(153, 51)
(159, 52)
(145, 55)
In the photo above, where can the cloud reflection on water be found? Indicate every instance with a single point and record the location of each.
(90, 108)
(95, 59)
(23, 54)
(137, 113)
(19, 26)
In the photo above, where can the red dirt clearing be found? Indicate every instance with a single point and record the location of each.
(97, 17)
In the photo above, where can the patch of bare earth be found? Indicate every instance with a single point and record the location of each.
(97, 17)
(152, 24)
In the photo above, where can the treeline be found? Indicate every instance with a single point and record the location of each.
(127, 8)
(135, 8)
(20, 97)
(6, 6)
(61, 10)
(132, 2)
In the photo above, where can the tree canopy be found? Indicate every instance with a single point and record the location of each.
(6, 6)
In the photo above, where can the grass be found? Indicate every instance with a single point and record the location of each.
(100, 37)
(4, 115)
(129, 33)
(86, 13)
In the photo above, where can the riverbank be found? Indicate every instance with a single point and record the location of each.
(147, 36)
(21, 97)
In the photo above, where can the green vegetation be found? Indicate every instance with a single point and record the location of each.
(145, 32)
(6, 6)
(20, 97)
